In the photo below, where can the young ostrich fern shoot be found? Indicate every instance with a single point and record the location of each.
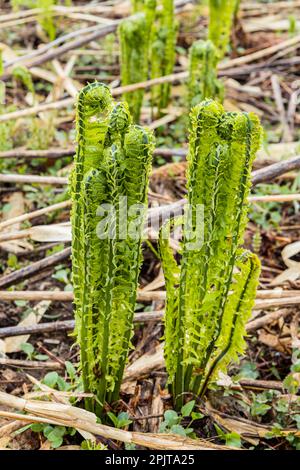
(221, 15)
(207, 313)
(134, 36)
(203, 82)
(108, 185)
(163, 54)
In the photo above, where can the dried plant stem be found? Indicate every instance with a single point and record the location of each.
(54, 153)
(31, 179)
(68, 325)
(28, 271)
(142, 317)
(33, 214)
(30, 364)
(60, 296)
(118, 91)
(67, 415)
(258, 176)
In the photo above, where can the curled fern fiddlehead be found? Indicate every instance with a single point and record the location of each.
(112, 163)
(212, 303)
(203, 82)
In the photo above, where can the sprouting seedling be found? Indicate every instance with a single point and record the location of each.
(203, 82)
(210, 296)
(221, 14)
(134, 36)
(112, 161)
(22, 74)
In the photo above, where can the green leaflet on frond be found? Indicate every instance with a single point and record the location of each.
(221, 152)
(207, 164)
(134, 35)
(221, 14)
(135, 168)
(237, 312)
(171, 273)
(92, 101)
(203, 82)
(112, 163)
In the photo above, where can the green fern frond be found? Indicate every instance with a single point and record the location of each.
(112, 162)
(221, 152)
(171, 273)
(240, 301)
(45, 18)
(146, 6)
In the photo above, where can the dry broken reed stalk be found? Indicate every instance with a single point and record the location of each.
(66, 415)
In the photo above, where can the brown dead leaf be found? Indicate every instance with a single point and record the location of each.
(271, 340)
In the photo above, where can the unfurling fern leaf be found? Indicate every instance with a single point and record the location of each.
(112, 163)
(212, 303)
(203, 82)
